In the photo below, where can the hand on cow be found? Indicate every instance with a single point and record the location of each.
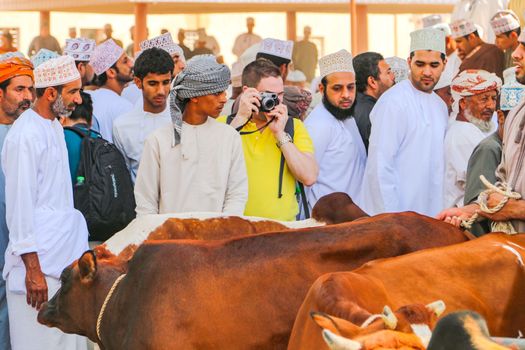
(511, 210)
(455, 216)
(36, 285)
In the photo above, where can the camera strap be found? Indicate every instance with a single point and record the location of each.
(229, 119)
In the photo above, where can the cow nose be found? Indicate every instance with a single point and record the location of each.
(45, 315)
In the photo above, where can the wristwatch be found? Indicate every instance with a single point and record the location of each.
(283, 140)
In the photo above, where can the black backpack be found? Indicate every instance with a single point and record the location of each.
(289, 129)
(103, 192)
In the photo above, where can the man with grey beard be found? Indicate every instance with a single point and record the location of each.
(16, 95)
(476, 92)
(46, 233)
(511, 170)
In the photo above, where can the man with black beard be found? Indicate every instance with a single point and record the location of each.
(113, 71)
(339, 149)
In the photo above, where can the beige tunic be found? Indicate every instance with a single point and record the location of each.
(512, 167)
(205, 172)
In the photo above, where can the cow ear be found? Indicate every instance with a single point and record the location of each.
(87, 266)
(336, 342)
(336, 325)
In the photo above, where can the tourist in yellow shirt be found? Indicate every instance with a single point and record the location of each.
(264, 140)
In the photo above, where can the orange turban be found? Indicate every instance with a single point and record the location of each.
(15, 66)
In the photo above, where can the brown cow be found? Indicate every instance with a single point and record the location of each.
(336, 208)
(241, 293)
(486, 275)
(199, 229)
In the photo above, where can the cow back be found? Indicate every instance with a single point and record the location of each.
(244, 293)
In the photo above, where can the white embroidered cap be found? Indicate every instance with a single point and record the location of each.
(427, 39)
(276, 47)
(164, 42)
(511, 92)
(504, 21)
(399, 67)
(341, 61)
(42, 56)
(462, 27)
(8, 55)
(296, 76)
(444, 27)
(56, 71)
(80, 49)
(105, 55)
(432, 20)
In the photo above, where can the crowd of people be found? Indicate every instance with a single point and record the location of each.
(393, 134)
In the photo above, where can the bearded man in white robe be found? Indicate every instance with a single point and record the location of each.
(476, 92)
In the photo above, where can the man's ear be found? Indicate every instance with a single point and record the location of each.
(111, 73)
(51, 94)
(87, 266)
(371, 82)
(138, 82)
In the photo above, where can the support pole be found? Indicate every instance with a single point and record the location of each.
(353, 27)
(362, 25)
(291, 25)
(45, 19)
(141, 24)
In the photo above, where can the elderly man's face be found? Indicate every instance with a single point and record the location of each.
(211, 105)
(425, 69)
(17, 96)
(481, 106)
(518, 58)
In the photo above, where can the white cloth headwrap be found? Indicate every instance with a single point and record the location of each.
(472, 82)
(202, 76)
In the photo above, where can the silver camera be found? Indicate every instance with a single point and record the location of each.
(268, 101)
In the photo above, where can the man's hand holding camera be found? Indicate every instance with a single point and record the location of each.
(280, 113)
(249, 104)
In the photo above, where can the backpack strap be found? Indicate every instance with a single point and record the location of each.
(289, 129)
(82, 132)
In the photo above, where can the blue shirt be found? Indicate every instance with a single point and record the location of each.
(74, 147)
(4, 232)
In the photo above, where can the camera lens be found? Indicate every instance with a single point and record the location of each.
(269, 104)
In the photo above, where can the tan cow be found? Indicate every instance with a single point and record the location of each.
(486, 275)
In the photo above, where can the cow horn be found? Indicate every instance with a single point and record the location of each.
(336, 342)
(389, 318)
(438, 307)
